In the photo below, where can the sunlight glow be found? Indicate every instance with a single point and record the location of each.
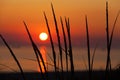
(43, 36)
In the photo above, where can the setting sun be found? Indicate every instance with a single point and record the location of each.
(43, 36)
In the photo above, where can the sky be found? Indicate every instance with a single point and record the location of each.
(13, 12)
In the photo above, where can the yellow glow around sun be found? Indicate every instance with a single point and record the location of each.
(43, 36)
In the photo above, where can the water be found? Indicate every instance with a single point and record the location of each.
(28, 61)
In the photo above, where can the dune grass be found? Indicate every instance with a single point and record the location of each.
(52, 45)
(58, 39)
(59, 44)
(58, 36)
(38, 54)
(111, 37)
(14, 57)
(88, 49)
(70, 47)
(107, 38)
(109, 42)
(65, 43)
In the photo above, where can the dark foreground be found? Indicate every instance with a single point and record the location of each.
(79, 75)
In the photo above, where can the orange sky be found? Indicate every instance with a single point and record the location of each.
(13, 12)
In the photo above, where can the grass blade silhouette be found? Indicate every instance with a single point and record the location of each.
(111, 37)
(108, 61)
(65, 44)
(51, 41)
(70, 48)
(14, 57)
(88, 47)
(52, 45)
(58, 37)
(36, 51)
(33, 46)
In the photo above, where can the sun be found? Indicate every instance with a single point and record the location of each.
(43, 36)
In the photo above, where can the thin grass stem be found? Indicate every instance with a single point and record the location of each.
(14, 57)
(111, 37)
(108, 47)
(35, 50)
(88, 47)
(65, 43)
(70, 47)
(52, 45)
(58, 38)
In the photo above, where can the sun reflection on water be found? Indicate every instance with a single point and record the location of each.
(43, 52)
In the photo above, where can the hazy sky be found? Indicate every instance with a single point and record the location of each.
(13, 12)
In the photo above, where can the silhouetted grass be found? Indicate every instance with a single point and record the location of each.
(107, 36)
(109, 42)
(52, 45)
(37, 53)
(58, 36)
(65, 43)
(70, 47)
(111, 37)
(14, 57)
(88, 47)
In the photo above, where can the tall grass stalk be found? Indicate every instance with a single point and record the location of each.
(107, 36)
(70, 47)
(111, 37)
(109, 41)
(37, 53)
(65, 43)
(88, 47)
(14, 57)
(108, 63)
(52, 45)
(58, 36)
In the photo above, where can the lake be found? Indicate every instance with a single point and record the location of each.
(28, 61)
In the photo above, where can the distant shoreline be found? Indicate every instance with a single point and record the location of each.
(79, 75)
